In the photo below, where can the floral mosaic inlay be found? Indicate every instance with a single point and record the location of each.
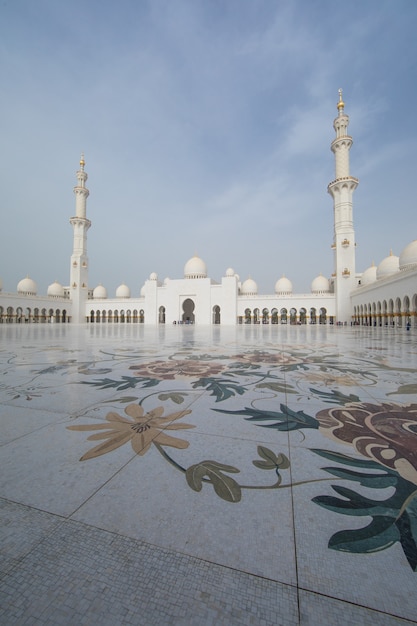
(369, 472)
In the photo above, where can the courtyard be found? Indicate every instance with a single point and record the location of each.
(254, 474)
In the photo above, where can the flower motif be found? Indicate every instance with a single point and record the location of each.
(174, 369)
(385, 433)
(260, 356)
(329, 379)
(143, 430)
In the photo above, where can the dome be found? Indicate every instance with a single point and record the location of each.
(1, 284)
(55, 290)
(166, 280)
(408, 257)
(249, 287)
(320, 284)
(230, 272)
(27, 286)
(122, 291)
(369, 275)
(99, 292)
(153, 276)
(142, 291)
(283, 285)
(388, 266)
(195, 268)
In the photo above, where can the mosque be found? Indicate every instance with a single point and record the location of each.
(382, 295)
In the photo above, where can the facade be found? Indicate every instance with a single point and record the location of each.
(382, 295)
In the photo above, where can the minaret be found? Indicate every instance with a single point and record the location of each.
(79, 260)
(341, 190)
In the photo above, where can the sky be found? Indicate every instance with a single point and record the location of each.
(206, 127)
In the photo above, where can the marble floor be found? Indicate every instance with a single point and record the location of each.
(208, 475)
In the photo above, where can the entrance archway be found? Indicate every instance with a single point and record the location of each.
(188, 307)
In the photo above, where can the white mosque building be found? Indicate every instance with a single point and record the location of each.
(382, 295)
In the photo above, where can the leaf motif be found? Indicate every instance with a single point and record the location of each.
(178, 398)
(380, 534)
(287, 420)
(278, 387)
(337, 457)
(268, 455)
(122, 400)
(374, 481)
(407, 526)
(335, 397)
(266, 465)
(404, 389)
(211, 471)
(220, 387)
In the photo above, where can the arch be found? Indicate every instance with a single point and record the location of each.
(313, 315)
(256, 316)
(141, 316)
(284, 314)
(188, 307)
(116, 316)
(19, 315)
(274, 316)
(303, 316)
(122, 316)
(92, 316)
(110, 317)
(161, 316)
(135, 316)
(128, 316)
(323, 315)
(10, 314)
(216, 314)
(103, 317)
(265, 316)
(248, 316)
(293, 316)
(398, 312)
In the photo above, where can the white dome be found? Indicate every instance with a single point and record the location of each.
(388, 266)
(230, 272)
(408, 257)
(27, 286)
(153, 276)
(283, 285)
(195, 268)
(142, 291)
(249, 287)
(320, 284)
(55, 290)
(122, 291)
(166, 280)
(100, 292)
(369, 275)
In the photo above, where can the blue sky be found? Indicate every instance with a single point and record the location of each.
(206, 127)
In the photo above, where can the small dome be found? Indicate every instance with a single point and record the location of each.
(249, 287)
(99, 292)
(122, 291)
(55, 290)
(230, 272)
(408, 257)
(369, 275)
(320, 284)
(153, 276)
(166, 280)
(388, 266)
(283, 285)
(195, 268)
(27, 286)
(142, 291)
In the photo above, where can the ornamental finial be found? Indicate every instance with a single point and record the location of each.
(82, 162)
(340, 104)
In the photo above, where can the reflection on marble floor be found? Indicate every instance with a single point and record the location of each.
(285, 452)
